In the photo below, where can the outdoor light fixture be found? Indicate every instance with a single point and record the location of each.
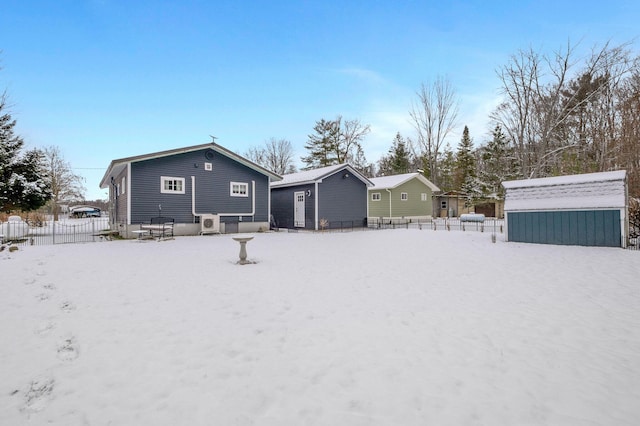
(346, 175)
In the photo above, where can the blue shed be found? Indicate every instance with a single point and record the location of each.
(588, 210)
(324, 198)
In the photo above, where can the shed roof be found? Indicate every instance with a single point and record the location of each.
(116, 166)
(316, 175)
(585, 191)
(390, 182)
(566, 180)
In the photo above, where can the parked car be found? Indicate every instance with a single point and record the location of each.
(84, 211)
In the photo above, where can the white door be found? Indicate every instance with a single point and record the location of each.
(298, 209)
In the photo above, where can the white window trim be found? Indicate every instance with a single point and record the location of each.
(124, 187)
(424, 197)
(163, 179)
(239, 194)
(375, 196)
(404, 196)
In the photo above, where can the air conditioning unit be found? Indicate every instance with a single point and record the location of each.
(209, 224)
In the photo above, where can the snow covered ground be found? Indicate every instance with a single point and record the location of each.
(395, 327)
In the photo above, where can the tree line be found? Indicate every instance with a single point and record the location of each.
(33, 178)
(561, 113)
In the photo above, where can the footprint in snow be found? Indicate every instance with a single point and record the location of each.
(44, 328)
(68, 350)
(67, 307)
(49, 287)
(29, 281)
(43, 296)
(38, 394)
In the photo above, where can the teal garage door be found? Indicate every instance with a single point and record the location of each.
(581, 228)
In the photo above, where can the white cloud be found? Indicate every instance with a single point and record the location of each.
(364, 75)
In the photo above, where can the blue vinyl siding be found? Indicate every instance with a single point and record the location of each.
(282, 205)
(342, 199)
(584, 227)
(212, 188)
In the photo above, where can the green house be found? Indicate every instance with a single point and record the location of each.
(405, 196)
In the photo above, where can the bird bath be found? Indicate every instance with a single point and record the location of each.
(243, 249)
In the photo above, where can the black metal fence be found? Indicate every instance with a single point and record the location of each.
(439, 224)
(436, 224)
(64, 231)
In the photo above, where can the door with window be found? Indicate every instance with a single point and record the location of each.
(298, 209)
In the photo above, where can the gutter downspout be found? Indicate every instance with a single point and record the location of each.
(128, 189)
(193, 198)
(390, 211)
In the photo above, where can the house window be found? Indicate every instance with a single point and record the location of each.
(443, 204)
(171, 185)
(375, 196)
(404, 196)
(208, 166)
(239, 189)
(423, 196)
(124, 187)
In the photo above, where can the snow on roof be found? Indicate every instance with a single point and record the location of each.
(393, 181)
(587, 191)
(310, 176)
(566, 180)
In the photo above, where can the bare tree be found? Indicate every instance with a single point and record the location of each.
(558, 107)
(276, 155)
(352, 133)
(628, 149)
(65, 185)
(434, 117)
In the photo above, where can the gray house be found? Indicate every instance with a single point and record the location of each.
(204, 188)
(328, 197)
(588, 210)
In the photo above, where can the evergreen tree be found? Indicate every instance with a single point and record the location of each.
(465, 178)
(398, 160)
(21, 184)
(447, 170)
(400, 156)
(322, 145)
(336, 142)
(498, 164)
(465, 165)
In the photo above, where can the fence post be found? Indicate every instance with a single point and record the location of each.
(93, 230)
(53, 232)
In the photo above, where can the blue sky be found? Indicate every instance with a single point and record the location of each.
(106, 79)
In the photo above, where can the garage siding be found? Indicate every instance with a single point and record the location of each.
(583, 227)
